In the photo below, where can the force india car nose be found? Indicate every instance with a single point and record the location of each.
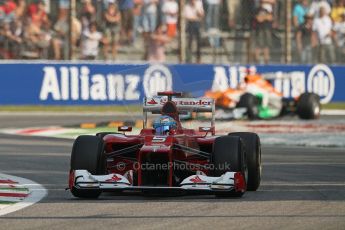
(178, 160)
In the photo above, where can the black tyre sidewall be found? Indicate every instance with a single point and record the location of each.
(252, 148)
(306, 106)
(88, 154)
(228, 150)
(251, 103)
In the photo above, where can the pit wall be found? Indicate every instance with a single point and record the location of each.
(78, 83)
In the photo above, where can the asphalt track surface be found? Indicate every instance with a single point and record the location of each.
(302, 188)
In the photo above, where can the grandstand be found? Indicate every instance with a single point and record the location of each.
(221, 31)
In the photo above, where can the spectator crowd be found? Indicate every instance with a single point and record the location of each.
(40, 29)
(320, 30)
(28, 29)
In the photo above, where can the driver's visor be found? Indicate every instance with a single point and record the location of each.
(162, 130)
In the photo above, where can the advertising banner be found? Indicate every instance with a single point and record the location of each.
(118, 84)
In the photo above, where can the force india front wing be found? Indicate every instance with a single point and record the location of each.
(227, 183)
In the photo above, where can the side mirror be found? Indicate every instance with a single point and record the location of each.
(205, 129)
(125, 129)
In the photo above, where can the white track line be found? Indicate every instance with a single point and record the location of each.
(306, 163)
(37, 193)
(304, 184)
(335, 112)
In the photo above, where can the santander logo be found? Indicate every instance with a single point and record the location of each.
(197, 179)
(196, 102)
(179, 101)
(114, 179)
(152, 102)
(188, 102)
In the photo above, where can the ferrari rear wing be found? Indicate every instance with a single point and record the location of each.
(155, 104)
(183, 105)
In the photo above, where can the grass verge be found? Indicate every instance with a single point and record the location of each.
(336, 105)
(7, 202)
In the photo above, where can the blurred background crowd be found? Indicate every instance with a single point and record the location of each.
(192, 31)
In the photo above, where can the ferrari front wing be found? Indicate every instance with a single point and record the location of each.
(227, 183)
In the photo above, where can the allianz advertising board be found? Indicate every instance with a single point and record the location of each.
(109, 84)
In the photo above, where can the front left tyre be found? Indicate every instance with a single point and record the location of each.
(88, 154)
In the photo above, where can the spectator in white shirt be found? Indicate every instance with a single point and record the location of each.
(322, 28)
(170, 10)
(339, 37)
(193, 13)
(316, 6)
(91, 41)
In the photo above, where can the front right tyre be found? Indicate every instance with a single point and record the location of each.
(88, 154)
(252, 148)
(228, 150)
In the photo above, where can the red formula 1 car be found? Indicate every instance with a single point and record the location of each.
(167, 157)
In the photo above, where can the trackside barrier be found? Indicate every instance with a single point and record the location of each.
(32, 83)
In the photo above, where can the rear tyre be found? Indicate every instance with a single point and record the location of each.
(308, 106)
(252, 148)
(251, 103)
(228, 150)
(88, 154)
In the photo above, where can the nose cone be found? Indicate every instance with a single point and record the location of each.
(157, 144)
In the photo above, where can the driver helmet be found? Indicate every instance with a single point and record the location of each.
(164, 124)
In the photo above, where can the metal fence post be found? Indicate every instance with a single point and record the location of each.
(288, 31)
(182, 34)
(72, 13)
